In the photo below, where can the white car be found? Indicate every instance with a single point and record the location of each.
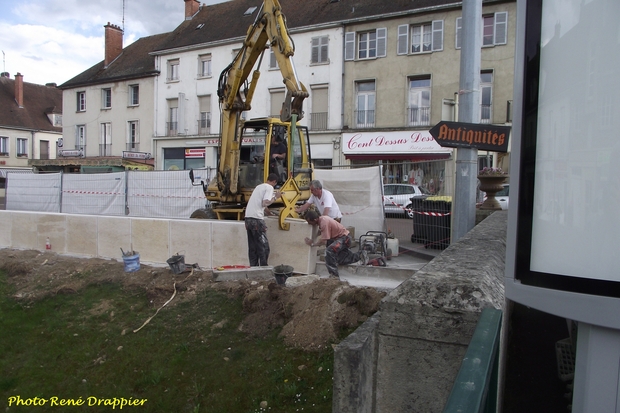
(397, 198)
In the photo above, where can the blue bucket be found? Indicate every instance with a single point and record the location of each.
(132, 262)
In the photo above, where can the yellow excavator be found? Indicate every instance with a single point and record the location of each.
(245, 148)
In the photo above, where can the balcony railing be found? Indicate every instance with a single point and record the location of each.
(419, 116)
(105, 149)
(485, 114)
(318, 121)
(204, 126)
(364, 118)
(171, 128)
(133, 147)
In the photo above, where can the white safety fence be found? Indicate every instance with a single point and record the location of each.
(156, 194)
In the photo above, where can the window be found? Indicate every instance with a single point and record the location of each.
(133, 136)
(319, 50)
(486, 96)
(273, 63)
(494, 29)
(370, 44)
(106, 98)
(422, 37)
(57, 119)
(365, 106)
(419, 111)
(80, 137)
(173, 110)
(204, 120)
(105, 140)
(81, 101)
(204, 65)
(4, 146)
(173, 70)
(134, 95)
(318, 116)
(277, 98)
(22, 147)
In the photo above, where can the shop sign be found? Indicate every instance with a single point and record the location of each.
(390, 143)
(195, 153)
(71, 153)
(472, 135)
(136, 155)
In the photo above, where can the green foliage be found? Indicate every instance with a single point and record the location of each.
(82, 347)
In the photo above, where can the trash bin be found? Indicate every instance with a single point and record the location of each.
(177, 263)
(282, 272)
(431, 223)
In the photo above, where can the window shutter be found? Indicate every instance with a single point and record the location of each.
(459, 32)
(437, 35)
(324, 42)
(349, 46)
(501, 27)
(403, 39)
(381, 42)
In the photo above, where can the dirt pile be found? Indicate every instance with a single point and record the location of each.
(311, 316)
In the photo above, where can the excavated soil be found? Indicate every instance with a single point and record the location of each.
(311, 315)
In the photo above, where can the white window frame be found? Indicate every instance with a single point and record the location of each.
(134, 95)
(500, 30)
(133, 135)
(22, 147)
(4, 146)
(319, 50)
(173, 70)
(106, 98)
(419, 97)
(105, 137)
(366, 101)
(80, 136)
(204, 65)
(376, 43)
(434, 34)
(81, 101)
(273, 62)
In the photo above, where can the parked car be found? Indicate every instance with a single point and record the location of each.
(397, 198)
(502, 196)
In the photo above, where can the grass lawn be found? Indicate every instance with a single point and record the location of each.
(80, 349)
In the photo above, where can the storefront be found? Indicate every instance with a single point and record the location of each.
(406, 156)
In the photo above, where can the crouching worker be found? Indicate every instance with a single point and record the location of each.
(338, 241)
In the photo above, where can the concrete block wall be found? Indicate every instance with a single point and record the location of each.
(408, 355)
(205, 242)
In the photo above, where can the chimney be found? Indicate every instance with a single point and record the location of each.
(19, 89)
(191, 7)
(5, 74)
(113, 43)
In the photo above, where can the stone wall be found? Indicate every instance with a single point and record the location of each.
(407, 356)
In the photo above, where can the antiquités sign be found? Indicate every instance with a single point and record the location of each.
(471, 135)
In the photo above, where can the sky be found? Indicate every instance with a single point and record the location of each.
(52, 41)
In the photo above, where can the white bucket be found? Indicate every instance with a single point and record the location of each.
(392, 244)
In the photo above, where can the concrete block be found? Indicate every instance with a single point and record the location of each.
(113, 233)
(81, 235)
(288, 247)
(192, 238)
(150, 239)
(6, 223)
(229, 243)
(251, 273)
(54, 227)
(298, 280)
(24, 233)
(354, 370)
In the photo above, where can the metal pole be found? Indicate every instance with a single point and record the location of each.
(464, 206)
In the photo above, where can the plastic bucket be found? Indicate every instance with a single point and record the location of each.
(282, 272)
(132, 262)
(177, 263)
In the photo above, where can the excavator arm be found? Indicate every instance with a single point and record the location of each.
(235, 95)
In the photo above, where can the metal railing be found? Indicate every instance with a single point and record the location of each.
(204, 125)
(171, 128)
(485, 114)
(364, 118)
(419, 116)
(105, 149)
(133, 147)
(475, 387)
(318, 121)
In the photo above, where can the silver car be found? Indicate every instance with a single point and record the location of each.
(397, 198)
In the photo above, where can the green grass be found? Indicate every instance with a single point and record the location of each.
(81, 347)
